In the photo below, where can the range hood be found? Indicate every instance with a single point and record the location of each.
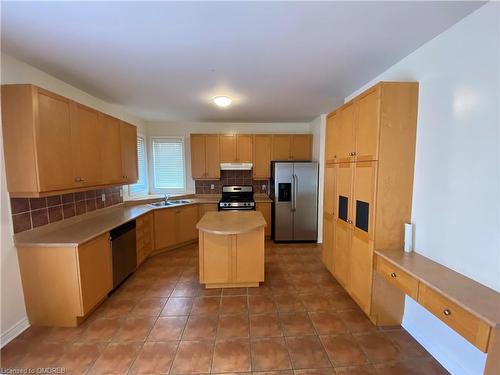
(236, 166)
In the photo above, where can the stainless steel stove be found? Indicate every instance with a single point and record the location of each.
(237, 198)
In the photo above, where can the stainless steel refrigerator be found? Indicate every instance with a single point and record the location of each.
(294, 190)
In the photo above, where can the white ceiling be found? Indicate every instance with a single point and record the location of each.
(280, 61)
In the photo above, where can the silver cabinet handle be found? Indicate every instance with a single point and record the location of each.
(393, 274)
(447, 312)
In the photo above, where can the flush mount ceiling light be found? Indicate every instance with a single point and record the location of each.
(222, 101)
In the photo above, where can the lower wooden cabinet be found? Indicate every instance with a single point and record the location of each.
(62, 285)
(206, 207)
(144, 232)
(232, 260)
(265, 208)
(175, 225)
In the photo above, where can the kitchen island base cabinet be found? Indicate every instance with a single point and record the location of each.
(62, 285)
(231, 249)
(235, 260)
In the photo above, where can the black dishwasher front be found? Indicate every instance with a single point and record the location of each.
(123, 249)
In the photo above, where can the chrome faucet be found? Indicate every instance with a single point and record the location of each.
(166, 197)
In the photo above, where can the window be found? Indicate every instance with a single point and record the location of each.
(168, 165)
(141, 187)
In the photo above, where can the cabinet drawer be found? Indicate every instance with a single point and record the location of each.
(466, 324)
(398, 277)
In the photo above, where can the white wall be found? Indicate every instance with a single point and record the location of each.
(318, 129)
(456, 194)
(13, 314)
(184, 129)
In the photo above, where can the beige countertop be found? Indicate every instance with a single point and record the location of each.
(474, 297)
(80, 229)
(231, 222)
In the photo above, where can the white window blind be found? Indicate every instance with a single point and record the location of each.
(141, 187)
(168, 164)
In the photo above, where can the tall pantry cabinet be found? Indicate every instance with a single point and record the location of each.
(369, 159)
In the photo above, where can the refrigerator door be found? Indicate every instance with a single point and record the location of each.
(283, 199)
(305, 202)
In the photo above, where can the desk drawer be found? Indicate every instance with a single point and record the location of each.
(466, 324)
(398, 277)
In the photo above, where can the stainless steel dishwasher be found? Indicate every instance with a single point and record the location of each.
(123, 249)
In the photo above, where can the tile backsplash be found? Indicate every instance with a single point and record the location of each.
(231, 178)
(29, 213)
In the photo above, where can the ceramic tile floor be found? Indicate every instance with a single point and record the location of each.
(299, 322)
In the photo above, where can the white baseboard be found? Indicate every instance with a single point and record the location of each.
(14, 331)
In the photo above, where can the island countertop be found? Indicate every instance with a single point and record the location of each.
(231, 222)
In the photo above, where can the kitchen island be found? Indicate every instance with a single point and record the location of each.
(231, 246)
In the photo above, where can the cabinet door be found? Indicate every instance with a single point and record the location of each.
(128, 136)
(187, 219)
(361, 260)
(301, 147)
(111, 151)
(165, 228)
(53, 142)
(85, 130)
(328, 241)
(95, 270)
(265, 209)
(244, 148)
(329, 190)
(227, 148)
(262, 156)
(250, 256)
(368, 126)
(206, 207)
(217, 258)
(212, 159)
(331, 141)
(345, 132)
(282, 144)
(343, 228)
(198, 156)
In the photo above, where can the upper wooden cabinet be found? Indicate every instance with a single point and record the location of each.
(128, 137)
(86, 150)
(296, 147)
(262, 156)
(205, 156)
(53, 144)
(236, 148)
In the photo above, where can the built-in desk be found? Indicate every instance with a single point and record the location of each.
(470, 308)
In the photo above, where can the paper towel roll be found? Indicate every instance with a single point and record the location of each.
(408, 237)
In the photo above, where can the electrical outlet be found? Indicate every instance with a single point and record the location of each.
(264, 187)
(212, 186)
(103, 197)
(121, 192)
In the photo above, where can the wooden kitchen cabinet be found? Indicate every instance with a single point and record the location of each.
(282, 147)
(128, 137)
(187, 219)
(228, 148)
(54, 145)
(262, 145)
(62, 285)
(86, 149)
(144, 234)
(296, 147)
(301, 149)
(205, 156)
(236, 148)
(175, 225)
(203, 208)
(371, 143)
(329, 215)
(111, 150)
(265, 209)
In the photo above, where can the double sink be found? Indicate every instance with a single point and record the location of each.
(170, 203)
